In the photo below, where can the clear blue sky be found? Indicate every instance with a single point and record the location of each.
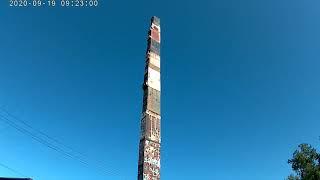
(240, 86)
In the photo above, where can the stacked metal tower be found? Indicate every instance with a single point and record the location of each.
(150, 139)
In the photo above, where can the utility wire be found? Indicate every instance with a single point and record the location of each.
(78, 154)
(12, 170)
(51, 146)
(28, 133)
(39, 132)
(48, 144)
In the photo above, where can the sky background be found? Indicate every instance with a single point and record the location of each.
(240, 87)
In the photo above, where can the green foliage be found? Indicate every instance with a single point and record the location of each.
(305, 163)
(292, 177)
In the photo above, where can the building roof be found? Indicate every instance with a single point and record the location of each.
(3, 178)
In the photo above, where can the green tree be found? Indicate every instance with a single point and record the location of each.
(305, 163)
(292, 177)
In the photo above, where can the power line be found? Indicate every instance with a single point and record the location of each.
(38, 131)
(79, 154)
(12, 170)
(28, 133)
(49, 145)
